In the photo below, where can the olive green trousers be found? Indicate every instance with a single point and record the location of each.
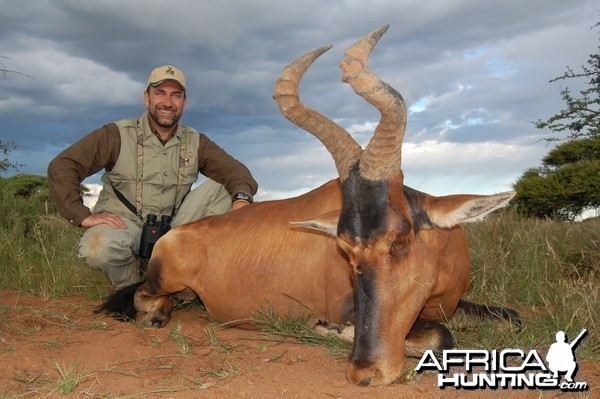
(115, 251)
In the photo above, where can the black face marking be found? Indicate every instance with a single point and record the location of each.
(364, 207)
(366, 328)
(414, 198)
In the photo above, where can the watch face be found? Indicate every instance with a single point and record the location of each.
(242, 196)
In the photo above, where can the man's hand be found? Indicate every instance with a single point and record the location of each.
(104, 218)
(239, 204)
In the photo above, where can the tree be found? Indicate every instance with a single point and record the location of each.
(567, 184)
(5, 164)
(23, 198)
(581, 118)
(4, 70)
(6, 148)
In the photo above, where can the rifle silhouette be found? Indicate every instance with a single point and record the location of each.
(578, 338)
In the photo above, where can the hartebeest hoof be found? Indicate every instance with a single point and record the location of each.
(160, 314)
(326, 328)
(157, 307)
(428, 334)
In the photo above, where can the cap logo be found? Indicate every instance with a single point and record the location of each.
(165, 72)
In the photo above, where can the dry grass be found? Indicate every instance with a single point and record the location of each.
(548, 271)
(45, 261)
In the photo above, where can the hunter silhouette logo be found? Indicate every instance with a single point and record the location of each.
(561, 357)
(507, 368)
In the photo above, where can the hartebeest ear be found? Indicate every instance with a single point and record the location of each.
(325, 223)
(450, 210)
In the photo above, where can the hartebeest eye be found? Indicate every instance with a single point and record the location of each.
(400, 246)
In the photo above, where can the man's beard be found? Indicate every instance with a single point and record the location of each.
(164, 121)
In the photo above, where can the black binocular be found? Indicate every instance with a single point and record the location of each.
(152, 231)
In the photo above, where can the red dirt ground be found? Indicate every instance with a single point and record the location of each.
(40, 338)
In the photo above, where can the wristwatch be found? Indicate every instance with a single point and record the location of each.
(241, 196)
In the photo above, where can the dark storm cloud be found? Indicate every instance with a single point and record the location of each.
(474, 74)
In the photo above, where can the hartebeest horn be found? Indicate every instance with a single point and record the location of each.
(340, 144)
(383, 155)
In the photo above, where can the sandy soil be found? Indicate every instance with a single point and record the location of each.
(44, 342)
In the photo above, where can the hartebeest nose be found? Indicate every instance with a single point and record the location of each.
(371, 376)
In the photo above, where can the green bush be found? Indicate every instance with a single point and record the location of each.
(23, 198)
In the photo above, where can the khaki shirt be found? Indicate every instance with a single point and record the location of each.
(113, 148)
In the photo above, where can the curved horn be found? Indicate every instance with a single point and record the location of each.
(383, 155)
(340, 144)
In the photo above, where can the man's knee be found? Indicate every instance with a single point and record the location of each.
(210, 198)
(99, 248)
(217, 198)
(114, 257)
(93, 248)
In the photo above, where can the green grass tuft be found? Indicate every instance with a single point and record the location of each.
(295, 327)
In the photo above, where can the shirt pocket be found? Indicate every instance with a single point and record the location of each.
(189, 166)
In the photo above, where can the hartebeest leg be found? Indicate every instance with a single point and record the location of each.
(328, 329)
(157, 307)
(424, 335)
(428, 335)
(155, 296)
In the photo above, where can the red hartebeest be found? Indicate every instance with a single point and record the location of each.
(396, 263)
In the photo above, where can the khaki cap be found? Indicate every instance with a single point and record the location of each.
(163, 73)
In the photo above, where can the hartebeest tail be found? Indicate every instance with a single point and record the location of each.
(120, 304)
(489, 312)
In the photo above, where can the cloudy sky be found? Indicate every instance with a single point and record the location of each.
(474, 74)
